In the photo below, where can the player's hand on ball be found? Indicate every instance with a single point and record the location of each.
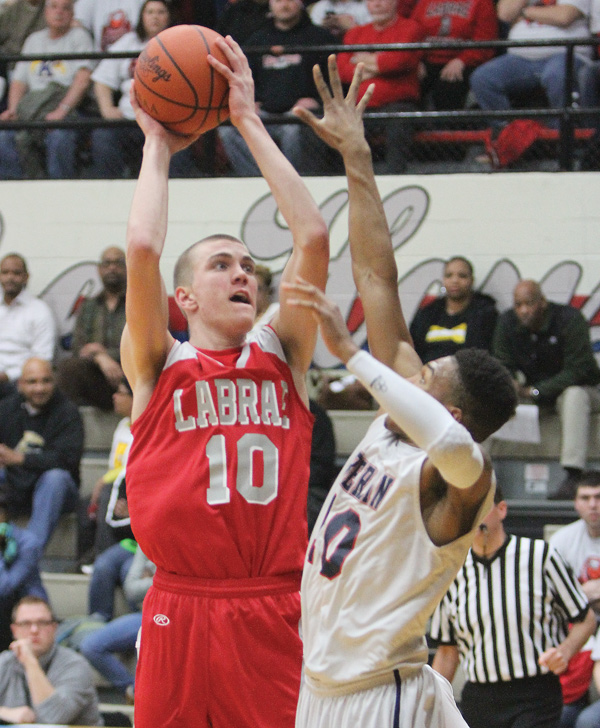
(153, 128)
(333, 328)
(239, 77)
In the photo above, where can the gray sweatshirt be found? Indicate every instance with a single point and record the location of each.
(74, 701)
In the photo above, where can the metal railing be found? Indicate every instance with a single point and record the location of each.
(570, 116)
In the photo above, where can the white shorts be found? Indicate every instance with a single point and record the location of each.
(422, 701)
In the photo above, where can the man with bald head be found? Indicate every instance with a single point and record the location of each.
(547, 348)
(27, 326)
(41, 443)
(92, 374)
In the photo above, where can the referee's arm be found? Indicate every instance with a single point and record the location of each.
(445, 661)
(556, 659)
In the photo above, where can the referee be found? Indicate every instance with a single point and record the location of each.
(506, 618)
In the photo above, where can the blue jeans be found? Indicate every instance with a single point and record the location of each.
(115, 152)
(494, 82)
(54, 493)
(119, 635)
(110, 570)
(299, 144)
(589, 717)
(60, 148)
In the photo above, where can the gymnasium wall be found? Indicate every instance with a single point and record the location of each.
(542, 226)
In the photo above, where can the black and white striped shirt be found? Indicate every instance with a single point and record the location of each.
(503, 613)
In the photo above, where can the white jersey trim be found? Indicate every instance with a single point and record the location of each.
(265, 337)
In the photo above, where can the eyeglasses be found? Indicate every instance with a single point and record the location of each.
(39, 623)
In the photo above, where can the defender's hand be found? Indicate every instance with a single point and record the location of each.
(333, 329)
(342, 124)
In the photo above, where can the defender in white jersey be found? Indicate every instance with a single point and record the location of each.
(399, 520)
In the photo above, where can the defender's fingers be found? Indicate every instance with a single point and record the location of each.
(306, 116)
(334, 77)
(366, 98)
(355, 85)
(322, 88)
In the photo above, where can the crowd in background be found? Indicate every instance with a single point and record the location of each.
(438, 79)
(545, 345)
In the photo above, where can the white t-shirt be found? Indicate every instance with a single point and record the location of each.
(27, 328)
(595, 16)
(117, 74)
(527, 30)
(38, 74)
(108, 20)
(582, 553)
(580, 550)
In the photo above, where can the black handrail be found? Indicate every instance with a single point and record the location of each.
(567, 115)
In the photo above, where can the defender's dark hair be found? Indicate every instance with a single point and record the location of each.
(498, 495)
(486, 393)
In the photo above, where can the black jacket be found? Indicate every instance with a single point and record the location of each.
(280, 80)
(56, 442)
(436, 333)
(557, 356)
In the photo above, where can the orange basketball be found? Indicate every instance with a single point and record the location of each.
(176, 85)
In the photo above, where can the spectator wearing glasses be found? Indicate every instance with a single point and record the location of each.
(40, 681)
(93, 373)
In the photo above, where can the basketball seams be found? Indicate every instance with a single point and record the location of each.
(198, 29)
(176, 51)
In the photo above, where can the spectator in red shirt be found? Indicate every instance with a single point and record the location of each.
(394, 74)
(445, 72)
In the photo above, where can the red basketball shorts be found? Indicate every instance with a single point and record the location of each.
(219, 654)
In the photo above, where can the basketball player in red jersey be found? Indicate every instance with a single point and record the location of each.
(218, 470)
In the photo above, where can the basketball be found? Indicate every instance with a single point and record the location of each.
(175, 84)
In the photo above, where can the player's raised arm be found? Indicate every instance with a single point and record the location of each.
(454, 459)
(310, 256)
(373, 263)
(146, 339)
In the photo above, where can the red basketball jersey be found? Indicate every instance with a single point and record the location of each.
(217, 475)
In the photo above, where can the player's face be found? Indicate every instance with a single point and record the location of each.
(437, 379)
(34, 623)
(587, 505)
(225, 286)
(155, 18)
(457, 280)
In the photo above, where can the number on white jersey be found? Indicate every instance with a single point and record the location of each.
(339, 538)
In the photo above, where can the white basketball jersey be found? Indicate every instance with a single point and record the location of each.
(372, 576)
